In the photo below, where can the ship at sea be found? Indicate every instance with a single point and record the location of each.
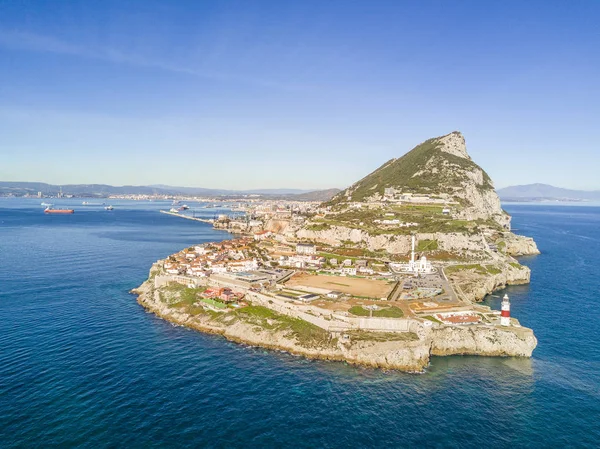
(109, 207)
(49, 210)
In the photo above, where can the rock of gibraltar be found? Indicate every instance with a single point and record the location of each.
(386, 273)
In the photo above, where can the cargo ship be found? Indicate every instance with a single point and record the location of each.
(49, 210)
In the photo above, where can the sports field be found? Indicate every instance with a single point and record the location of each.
(370, 288)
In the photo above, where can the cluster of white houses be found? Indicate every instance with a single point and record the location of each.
(394, 195)
(204, 260)
(395, 222)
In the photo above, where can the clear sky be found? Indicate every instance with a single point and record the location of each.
(296, 94)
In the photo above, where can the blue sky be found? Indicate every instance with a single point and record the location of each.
(310, 94)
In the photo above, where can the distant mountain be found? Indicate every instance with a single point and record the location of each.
(203, 191)
(545, 192)
(318, 195)
(277, 191)
(104, 190)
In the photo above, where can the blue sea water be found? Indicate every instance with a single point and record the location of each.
(83, 365)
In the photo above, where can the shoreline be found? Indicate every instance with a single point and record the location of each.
(285, 344)
(408, 352)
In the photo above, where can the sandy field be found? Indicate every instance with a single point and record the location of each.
(371, 288)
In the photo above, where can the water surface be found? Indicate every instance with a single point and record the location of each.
(82, 364)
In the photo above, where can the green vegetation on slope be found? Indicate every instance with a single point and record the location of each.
(306, 334)
(479, 269)
(425, 169)
(389, 312)
(427, 245)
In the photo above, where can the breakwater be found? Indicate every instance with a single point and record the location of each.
(187, 217)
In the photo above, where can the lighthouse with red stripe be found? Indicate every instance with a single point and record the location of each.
(505, 312)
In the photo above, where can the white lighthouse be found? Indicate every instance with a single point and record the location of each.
(505, 312)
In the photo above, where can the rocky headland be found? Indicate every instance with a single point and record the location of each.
(409, 351)
(434, 195)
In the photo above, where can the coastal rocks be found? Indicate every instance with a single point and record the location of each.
(405, 351)
(518, 245)
(483, 340)
(412, 356)
(472, 284)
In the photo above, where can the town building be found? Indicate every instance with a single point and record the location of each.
(306, 248)
(416, 267)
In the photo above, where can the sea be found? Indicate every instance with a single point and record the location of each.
(83, 365)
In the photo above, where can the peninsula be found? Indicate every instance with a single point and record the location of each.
(387, 273)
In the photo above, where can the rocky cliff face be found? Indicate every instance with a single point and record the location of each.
(483, 340)
(393, 244)
(518, 245)
(474, 284)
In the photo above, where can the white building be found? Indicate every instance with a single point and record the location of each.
(201, 250)
(422, 266)
(350, 271)
(306, 248)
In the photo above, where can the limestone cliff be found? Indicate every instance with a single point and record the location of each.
(483, 340)
(473, 282)
(518, 245)
(392, 243)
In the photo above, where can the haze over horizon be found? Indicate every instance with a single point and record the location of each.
(311, 95)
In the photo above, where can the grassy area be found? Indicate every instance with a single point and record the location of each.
(318, 226)
(418, 209)
(307, 334)
(359, 311)
(212, 302)
(178, 295)
(479, 269)
(516, 265)
(389, 312)
(456, 268)
(427, 245)
(430, 318)
(493, 269)
(427, 218)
